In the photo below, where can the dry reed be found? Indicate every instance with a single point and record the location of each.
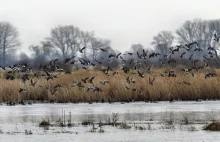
(163, 88)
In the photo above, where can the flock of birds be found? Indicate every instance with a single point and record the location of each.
(135, 62)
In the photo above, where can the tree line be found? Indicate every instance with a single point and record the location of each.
(197, 30)
(66, 40)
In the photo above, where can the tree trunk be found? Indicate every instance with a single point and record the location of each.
(63, 55)
(84, 54)
(3, 61)
(93, 55)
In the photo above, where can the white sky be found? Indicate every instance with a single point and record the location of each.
(124, 22)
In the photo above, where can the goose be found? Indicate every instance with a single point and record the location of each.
(181, 56)
(91, 80)
(141, 74)
(151, 81)
(118, 55)
(22, 90)
(187, 83)
(81, 50)
(32, 83)
(104, 82)
(103, 50)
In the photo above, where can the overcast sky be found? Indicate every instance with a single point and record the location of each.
(124, 22)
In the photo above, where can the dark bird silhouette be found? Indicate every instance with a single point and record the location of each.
(125, 69)
(151, 55)
(151, 81)
(198, 49)
(174, 50)
(73, 62)
(115, 73)
(68, 72)
(181, 56)
(57, 86)
(104, 82)
(216, 38)
(134, 90)
(91, 80)
(22, 90)
(80, 85)
(211, 48)
(190, 58)
(81, 50)
(10, 77)
(93, 64)
(112, 56)
(94, 89)
(68, 59)
(105, 71)
(191, 44)
(32, 83)
(145, 53)
(186, 70)
(139, 55)
(127, 87)
(187, 83)
(210, 75)
(118, 55)
(85, 79)
(171, 74)
(194, 62)
(130, 80)
(141, 74)
(84, 68)
(4, 68)
(129, 53)
(123, 60)
(103, 50)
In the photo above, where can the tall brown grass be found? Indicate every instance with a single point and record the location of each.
(163, 88)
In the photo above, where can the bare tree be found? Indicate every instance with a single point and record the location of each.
(66, 38)
(97, 44)
(23, 57)
(45, 50)
(187, 33)
(36, 50)
(163, 41)
(200, 31)
(137, 47)
(9, 39)
(86, 38)
(213, 28)
(197, 30)
(42, 53)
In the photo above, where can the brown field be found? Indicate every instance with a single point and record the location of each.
(163, 88)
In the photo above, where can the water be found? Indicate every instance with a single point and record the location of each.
(14, 120)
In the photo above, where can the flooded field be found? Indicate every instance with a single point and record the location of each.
(140, 121)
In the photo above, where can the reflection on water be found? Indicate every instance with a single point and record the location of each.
(162, 111)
